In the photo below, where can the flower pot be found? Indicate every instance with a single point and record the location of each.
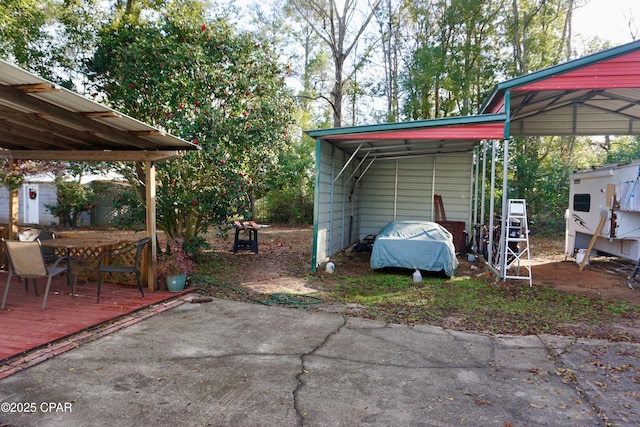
(176, 283)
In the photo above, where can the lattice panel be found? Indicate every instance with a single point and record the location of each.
(85, 260)
(127, 259)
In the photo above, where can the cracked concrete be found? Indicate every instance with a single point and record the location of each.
(227, 363)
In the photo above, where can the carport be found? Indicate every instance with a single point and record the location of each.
(40, 120)
(367, 176)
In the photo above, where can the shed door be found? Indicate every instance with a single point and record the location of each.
(31, 210)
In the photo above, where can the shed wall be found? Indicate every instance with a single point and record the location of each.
(389, 190)
(47, 195)
(336, 214)
(408, 195)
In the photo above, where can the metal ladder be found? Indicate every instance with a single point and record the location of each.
(516, 257)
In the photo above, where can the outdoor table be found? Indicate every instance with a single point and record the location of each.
(79, 249)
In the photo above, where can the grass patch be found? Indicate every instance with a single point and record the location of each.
(477, 305)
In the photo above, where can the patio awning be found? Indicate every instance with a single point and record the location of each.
(40, 120)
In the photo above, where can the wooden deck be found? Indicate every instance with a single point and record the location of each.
(25, 327)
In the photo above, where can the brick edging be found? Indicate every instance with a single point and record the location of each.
(62, 345)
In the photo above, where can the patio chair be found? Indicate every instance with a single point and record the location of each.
(116, 265)
(26, 260)
(33, 234)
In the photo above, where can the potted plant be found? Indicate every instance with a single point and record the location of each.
(174, 265)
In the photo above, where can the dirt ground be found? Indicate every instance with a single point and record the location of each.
(284, 259)
(604, 276)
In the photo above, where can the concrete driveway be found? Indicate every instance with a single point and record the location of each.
(227, 363)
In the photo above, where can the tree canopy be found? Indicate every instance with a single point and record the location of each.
(201, 80)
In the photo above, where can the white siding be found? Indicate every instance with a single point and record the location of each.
(453, 183)
(47, 195)
(336, 208)
(381, 201)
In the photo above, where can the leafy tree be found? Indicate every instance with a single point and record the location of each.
(391, 18)
(454, 62)
(22, 33)
(623, 150)
(201, 81)
(73, 199)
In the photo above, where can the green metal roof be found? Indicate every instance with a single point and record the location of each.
(415, 138)
(416, 124)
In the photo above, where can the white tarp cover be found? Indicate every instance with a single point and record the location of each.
(421, 245)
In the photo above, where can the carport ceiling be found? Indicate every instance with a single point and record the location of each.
(42, 121)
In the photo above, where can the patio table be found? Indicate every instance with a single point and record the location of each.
(79, 249)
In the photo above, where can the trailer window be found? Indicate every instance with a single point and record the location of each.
(582, 202)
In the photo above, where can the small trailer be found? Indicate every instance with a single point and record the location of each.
(604, 203)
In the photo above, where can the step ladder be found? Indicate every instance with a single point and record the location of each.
(516, 258)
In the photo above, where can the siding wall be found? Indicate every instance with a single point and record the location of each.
(47, 195)
(336, 213)
(381, 201)
(390, 190)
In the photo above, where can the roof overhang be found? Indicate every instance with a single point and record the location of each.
(41, 121)
(417, 138)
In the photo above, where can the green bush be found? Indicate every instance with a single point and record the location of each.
(288, 206)
(72, 200)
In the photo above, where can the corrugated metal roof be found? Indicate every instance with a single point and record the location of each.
(40, 120)
(420, 137)
(595, 95)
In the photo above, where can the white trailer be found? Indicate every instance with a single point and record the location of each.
(605, 203)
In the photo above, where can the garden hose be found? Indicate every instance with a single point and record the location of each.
(279, 298)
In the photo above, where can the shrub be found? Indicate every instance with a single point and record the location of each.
(73, 199)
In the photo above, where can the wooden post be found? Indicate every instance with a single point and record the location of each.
(593, 241)
(150, 188)
(13, 208)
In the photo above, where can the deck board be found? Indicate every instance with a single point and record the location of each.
(25, 327)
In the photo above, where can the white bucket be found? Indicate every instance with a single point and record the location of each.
(580, 256)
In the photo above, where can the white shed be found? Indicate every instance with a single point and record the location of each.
(33, 197)
(367, 176)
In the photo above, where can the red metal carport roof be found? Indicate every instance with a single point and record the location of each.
(421, 137)
(595, 95)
